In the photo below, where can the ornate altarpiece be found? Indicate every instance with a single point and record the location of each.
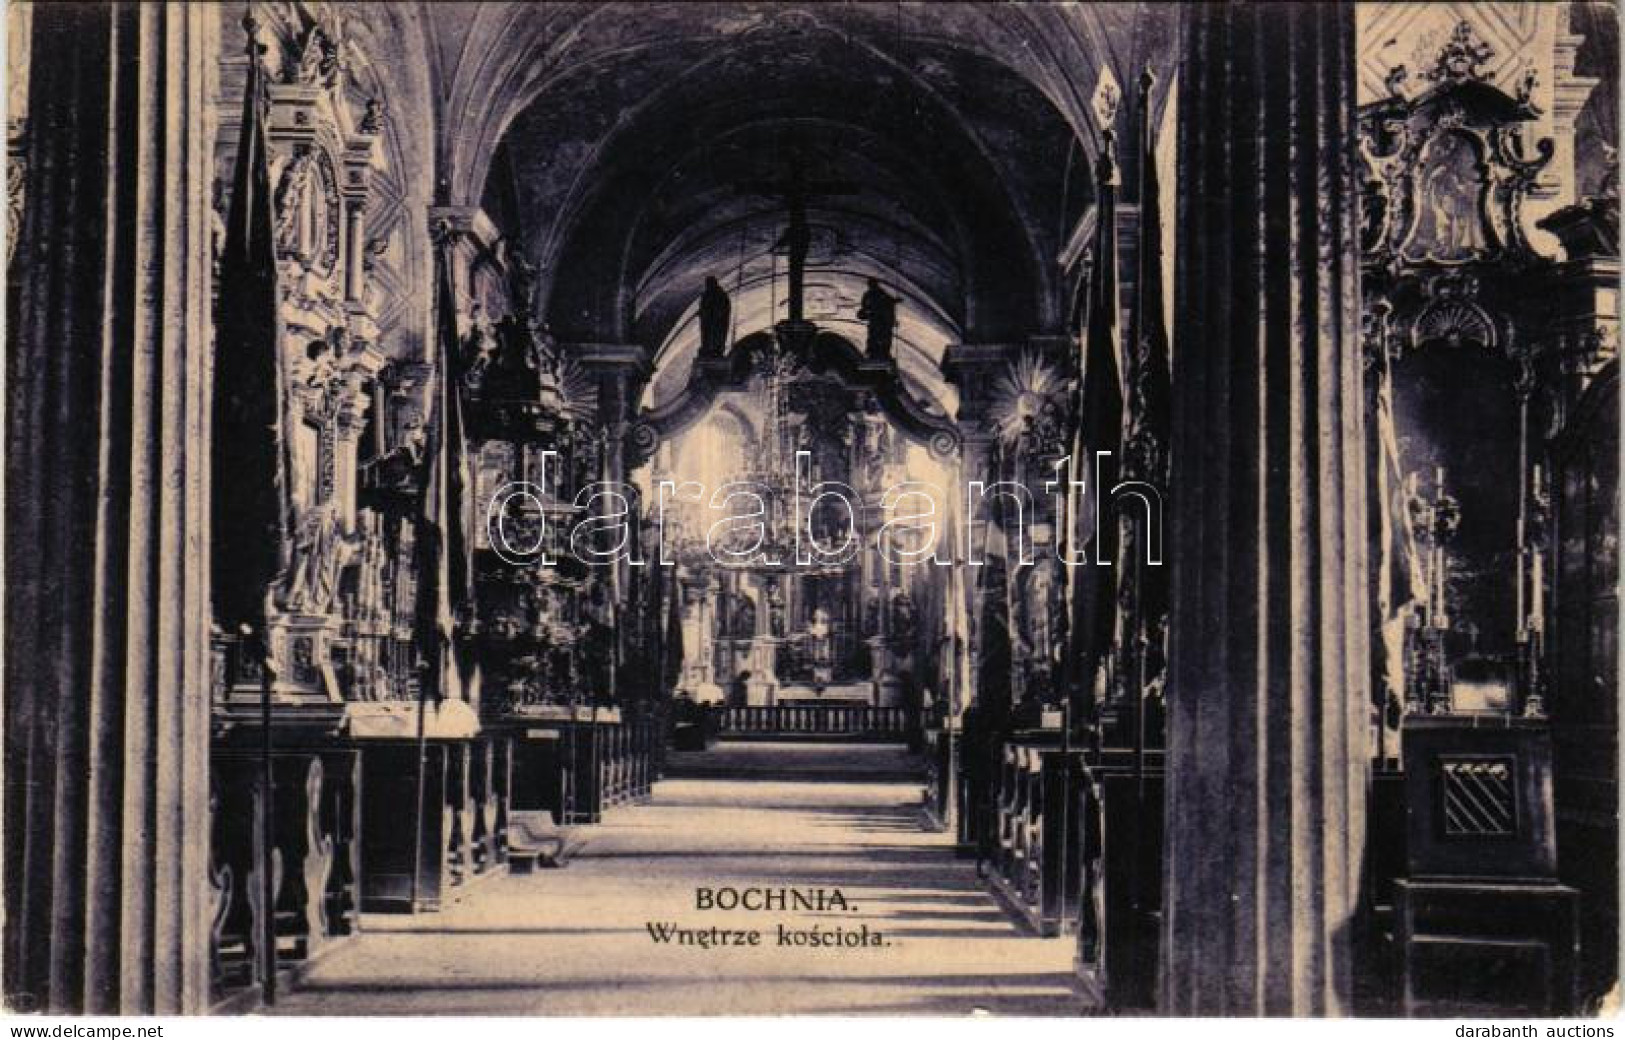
(339, 614)
(1486, 360)
(1472, 360)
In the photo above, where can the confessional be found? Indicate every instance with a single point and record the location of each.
(1479, 920)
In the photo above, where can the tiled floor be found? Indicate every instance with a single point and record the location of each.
(577, 940)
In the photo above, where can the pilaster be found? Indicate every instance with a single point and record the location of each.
(107, 518)
(1268, 675)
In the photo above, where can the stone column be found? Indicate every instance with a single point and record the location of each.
(107, 521)
(472, 236)
(620, 370)
(18, 17)
(1268, 678)
(355, 263)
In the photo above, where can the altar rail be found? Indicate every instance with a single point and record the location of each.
(816, 720)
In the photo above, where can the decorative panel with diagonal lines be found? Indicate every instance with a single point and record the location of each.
(1480, 800)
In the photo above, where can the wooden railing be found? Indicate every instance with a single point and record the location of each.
(832, 720)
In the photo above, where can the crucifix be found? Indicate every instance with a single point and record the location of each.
(796, 190)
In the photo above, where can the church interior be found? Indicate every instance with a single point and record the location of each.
(1125, 494)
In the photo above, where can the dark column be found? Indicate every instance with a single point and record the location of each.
(1267, 693)
(107, 655)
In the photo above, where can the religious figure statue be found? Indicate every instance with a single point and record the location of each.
(775, 608)
(521, 281)
(1449, 221)
(821, 645)
(217, 218)
(715, 310)
(292, 190)
(397, 467)
(902, 619)
(744, 617)
(544, 352)
(317, 56)
(320, 552)
(372, 120)
(478, 347)
(512, 374)
(796, 241)
(1044, 617)
(875, 446)
(879, 309)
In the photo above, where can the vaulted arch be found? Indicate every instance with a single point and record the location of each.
(619, 143)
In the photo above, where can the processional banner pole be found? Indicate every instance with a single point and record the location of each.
(267, 821)
(442, 588)
(250, 514)
(422, 768)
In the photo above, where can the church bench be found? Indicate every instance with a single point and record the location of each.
(1037, 856)
(536, 841)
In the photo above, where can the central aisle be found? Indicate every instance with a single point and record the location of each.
(577, 941)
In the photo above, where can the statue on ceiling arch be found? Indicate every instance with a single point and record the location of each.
(512, 374)
(715, 312)
(544, 349)
(879, 309)
(521, 282)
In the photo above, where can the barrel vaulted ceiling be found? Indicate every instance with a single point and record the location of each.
(611, 139)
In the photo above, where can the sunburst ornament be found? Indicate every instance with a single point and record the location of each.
(1027, 397)
(579, 391)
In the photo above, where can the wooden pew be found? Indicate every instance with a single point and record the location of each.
(1036, 865)
(1120, 818)
(314, 859)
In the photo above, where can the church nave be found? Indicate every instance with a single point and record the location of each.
(573, 941)
(1125, 495)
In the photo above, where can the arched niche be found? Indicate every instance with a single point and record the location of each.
(1456, 408)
